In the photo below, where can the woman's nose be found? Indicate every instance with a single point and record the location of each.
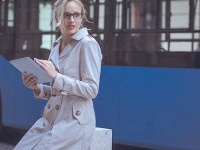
(71, 18)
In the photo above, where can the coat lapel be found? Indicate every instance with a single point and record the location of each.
(54, 57)
(66, 51)
(73, 41)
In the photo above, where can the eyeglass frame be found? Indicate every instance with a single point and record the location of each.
(75, 15)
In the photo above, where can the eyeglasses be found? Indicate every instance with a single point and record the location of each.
(75, 15)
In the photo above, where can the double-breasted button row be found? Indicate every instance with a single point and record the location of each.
(78, 113)
(56, 107)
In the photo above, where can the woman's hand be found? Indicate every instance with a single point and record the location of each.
(30, 81)
(48, 66)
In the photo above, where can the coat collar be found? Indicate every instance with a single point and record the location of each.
(77, 36)
(80, 34)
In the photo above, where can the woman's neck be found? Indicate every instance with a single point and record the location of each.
(64, 42)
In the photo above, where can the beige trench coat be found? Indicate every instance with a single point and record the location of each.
(68, 119)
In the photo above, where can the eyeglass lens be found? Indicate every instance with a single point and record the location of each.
(75, 15)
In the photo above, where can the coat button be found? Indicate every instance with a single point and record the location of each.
(48, 106)
(57, 107)
(78, 112)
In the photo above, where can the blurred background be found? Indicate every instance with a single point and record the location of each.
(130, 32)
(149, 93)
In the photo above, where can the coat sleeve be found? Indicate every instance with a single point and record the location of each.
(90, 66)
(45, 92)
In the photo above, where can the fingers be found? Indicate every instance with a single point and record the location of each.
(41, 63)
(45, 64)
(48, 66)
(29, 81)
(23, 75)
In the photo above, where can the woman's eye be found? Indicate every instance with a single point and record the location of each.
(67, 15)
(76, 15)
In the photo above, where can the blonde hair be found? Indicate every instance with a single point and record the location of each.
(59, 9)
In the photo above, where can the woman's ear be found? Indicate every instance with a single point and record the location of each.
(56, 19)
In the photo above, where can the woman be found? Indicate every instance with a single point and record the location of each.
(68, 119)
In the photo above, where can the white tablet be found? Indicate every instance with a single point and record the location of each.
(26, 64)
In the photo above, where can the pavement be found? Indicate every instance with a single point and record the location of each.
(5, 146)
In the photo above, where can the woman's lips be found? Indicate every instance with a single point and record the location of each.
(70, 27)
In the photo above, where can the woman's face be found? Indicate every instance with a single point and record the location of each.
(72, 17)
